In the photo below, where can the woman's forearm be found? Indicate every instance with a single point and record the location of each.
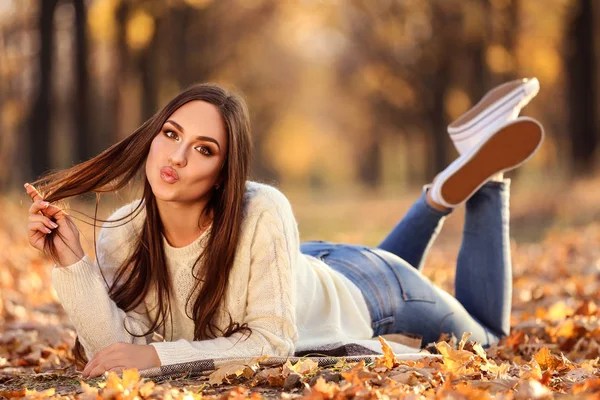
(95, 316)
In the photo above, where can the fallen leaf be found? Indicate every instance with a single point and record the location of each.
(546, 360)
(224, 372)
(389, 358)
(455, 361)
(302, 367)
(326, 389)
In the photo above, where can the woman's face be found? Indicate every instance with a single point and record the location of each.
(185, 158)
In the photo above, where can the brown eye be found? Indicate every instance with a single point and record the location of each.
(171, 135)
(204, 150)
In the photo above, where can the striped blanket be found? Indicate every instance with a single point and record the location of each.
(325, 355)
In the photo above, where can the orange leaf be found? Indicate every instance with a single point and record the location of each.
(326, 389)
(13, 393)
(546, 360)
(587, 308)
(515, 339)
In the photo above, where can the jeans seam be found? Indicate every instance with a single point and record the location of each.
(404, 297)
(388, 265)
(380, 302)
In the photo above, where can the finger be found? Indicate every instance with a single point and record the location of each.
(118, 369)
(44, 220)
(32, 192)
(90, 366)
(37, 239)
(55, 212)
(113, 365)
(98, 358)
(37, 206)
(38, 227)
(102, 365)
(48, 209)
(98, 370)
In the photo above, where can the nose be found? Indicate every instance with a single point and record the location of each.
(178, 157)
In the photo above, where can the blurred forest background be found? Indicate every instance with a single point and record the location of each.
(349, 100)
(343, 93)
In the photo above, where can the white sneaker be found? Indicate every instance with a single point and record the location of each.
(500, 105)
(508, 147)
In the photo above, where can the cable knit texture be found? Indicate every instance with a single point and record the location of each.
(289, 300)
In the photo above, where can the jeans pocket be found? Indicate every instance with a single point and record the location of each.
(383, 326)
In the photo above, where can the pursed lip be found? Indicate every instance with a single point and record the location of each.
(170, 172)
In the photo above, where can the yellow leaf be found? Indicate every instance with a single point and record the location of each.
(147, 389)
(566, 329)
(478, 349)
(389, 358)
(302, 367)
(455, 361)
(113, 381)
(559, 312)
(34, 394)
(463, 340)
(131, 377)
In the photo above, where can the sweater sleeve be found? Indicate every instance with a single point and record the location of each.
(83, 294)
(270, 308)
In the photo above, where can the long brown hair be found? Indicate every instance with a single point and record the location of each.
(146, 267)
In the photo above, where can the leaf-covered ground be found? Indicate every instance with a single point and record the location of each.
(552, 351)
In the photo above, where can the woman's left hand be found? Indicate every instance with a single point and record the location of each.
(120, 356)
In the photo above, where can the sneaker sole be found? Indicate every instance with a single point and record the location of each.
(508, 148)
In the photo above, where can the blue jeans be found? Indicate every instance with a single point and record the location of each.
(402, 300)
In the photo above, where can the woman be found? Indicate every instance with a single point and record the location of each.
(207, 264)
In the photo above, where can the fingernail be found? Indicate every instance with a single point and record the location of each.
(47, 230)
(45, 204)
(26, 184)
(53, 224)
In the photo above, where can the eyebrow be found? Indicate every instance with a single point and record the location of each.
(204, 138)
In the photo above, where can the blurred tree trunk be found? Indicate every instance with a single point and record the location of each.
(439, 82)
(581, 87)
(477, 53)
(148, 67)
(40, 121)
(117, 79)
(439, 122)
(85, 144)
(180, 21)
(511, 36)
(262, 121)
(370, 163)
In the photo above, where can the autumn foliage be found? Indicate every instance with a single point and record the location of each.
(552, 349)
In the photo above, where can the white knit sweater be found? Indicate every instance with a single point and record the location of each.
(291, 301)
